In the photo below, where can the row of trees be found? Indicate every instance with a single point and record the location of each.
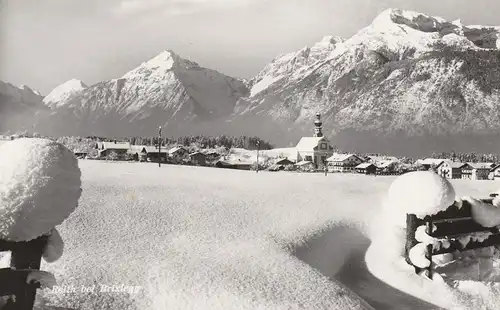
(201, 141)
(467, 157)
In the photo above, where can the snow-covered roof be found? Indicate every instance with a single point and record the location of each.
(364, 165)
(431, 161)
(374, 158)
(340, 157)
(480, 165)
(303, 163)
(176, 149)
(308, 143)
(385, 163)
(196, 153)
(454, 164)
(283, 160)
(154, 149)
(116, 146)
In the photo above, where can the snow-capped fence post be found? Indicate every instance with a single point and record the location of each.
(412, 223)
(25, 256)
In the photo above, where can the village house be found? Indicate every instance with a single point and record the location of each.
(211, 156)
(343, 162)
(450, 169)
(177, 154)
(476, 171)
(152, 154)
(105, 149)
(281, 164)
(137, 152)
(366, 168)
(314, 149)
(374, 159)
(305, 165)
(386, 166)
(198, 158)
(429, 163)
(148, 153)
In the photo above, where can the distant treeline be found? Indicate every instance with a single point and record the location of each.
(200, 141)
(467, 157)
(249, 143)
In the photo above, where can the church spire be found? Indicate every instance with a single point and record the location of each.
(317, 126)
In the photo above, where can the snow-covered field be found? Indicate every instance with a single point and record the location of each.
(181, 237)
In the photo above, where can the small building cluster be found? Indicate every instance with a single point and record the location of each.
(317, 153)
(457, 170)
(145, 153)
(314, 153)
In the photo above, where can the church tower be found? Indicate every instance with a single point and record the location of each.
(317, 126)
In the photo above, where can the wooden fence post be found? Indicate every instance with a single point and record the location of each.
(428, 250)
(25, 255)
(412, 222)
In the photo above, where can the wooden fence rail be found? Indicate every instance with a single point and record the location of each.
(449, 225)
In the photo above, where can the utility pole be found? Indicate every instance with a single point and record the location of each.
(159, 146)
(258, 148)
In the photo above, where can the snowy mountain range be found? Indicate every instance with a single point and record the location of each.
(408, 83)
(19, 106)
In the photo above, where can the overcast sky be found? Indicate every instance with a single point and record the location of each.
(46, 42)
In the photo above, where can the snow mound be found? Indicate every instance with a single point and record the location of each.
(421, 193)
(485, 214)
(40, 187)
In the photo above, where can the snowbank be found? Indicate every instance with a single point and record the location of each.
(39, 187)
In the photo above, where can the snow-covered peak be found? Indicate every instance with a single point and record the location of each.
(159, 65)
(59, 95)
(294, 63)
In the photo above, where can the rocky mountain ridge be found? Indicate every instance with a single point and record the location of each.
(406, 83)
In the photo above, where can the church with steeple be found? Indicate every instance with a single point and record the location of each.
(315, 149)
